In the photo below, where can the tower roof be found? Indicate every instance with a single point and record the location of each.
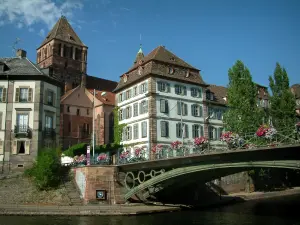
(139, 55)
(62, 30)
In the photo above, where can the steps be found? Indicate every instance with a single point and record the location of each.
(72, 190)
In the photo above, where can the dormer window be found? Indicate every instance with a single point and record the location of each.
(71, 38)
(171, 70)
(172, 59)
(187, 73)
(125, 78)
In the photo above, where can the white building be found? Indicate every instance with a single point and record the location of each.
(162, 99)
(29, 111)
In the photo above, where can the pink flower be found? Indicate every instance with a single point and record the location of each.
(200, 141)
(102, 157)
(175, 144)
(156, 148)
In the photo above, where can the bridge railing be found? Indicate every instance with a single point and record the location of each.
(249, 141)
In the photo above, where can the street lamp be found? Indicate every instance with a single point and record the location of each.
(93, 139)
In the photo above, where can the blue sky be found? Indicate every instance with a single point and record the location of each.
(209, 34)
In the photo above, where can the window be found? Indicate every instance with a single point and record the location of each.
(214, 133)
(3, 93)
(135, 131)
(197, 110)
(144, 129)
(164, 128)
(120, 114)
(219, 114)
(120, 97)
(128, 112)
(135, 109)
(171, 70)
(209, 96)
(197, 131)
(128, 94)
(144, 87)
(163, 86)
(21, 147)
(87, 112)
(69, 127)
(49, 97)
(212, 113)
(196, 92)
(86, 128)
(78, 112)
(48, 122)
(135, 91)
(144, 107)
(182, 130)
(128, 133)
(182, 108)
(68, 109)
(22, 122)
(23, 95)
(164, 106)
(180, 90)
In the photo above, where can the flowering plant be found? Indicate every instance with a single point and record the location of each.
(266, 131)
(138, 152)
(102, 157)
(80, 159)
(229, 137)
(199, 141)
(176, 145)
(156, 148)
(124, 154)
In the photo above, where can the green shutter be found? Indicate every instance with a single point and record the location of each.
(29, 95)
(17, 96)
(4, 94)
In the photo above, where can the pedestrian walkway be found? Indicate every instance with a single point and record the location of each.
(87, 210)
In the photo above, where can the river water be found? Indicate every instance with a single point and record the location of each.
(276, 211)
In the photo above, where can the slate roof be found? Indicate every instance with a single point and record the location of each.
(219, 93)
(100, 84)
(161, 54)
(20, 66)
(62, 30)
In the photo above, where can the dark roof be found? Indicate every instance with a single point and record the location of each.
(20, 66)
(62, 30)
(100, 84)
(219, 93)
(161, 54)
(296, 90)
(108, 99)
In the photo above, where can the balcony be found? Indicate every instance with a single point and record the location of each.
(22, 131)
(49, 133)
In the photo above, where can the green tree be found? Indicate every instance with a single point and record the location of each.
(282, 101)
(243, 114)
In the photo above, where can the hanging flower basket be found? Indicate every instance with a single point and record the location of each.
(266, 131)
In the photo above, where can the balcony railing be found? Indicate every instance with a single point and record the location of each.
(22, 131)
(49, 132)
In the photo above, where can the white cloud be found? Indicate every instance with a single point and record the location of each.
(36, 11)
(42, 33)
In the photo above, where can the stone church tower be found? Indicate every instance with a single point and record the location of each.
(64, 54)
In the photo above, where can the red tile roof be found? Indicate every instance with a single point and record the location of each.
(107, 99)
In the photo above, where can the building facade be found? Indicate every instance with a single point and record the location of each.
(296, 92)
(77, 117)
(29, 111)
(161, 99)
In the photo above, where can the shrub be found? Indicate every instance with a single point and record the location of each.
(47, 169)
(80, 149)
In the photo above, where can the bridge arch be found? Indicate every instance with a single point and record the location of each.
(178, 172)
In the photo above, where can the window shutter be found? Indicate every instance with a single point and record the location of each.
(184, 90)
(141, 108)
(167, 106)
(144, 129)
(46, 97)
(186, 129)
(176, 89)
(163, 128)
(130, 133)
(178, 108)
(146, 87)
(193, 109)
(201, 131)
(193, 131)
(220, 132)
(4, 94)
(146, 106)
(168, 87)
(192, 92)
(1, 114)
(27, 147)
(14, 147)
(167, 129)
(17, 96)
(29, 95)
(177, 130)
(124, 114)
(200, 93)
(162, 105)
(185, 110)
(1, 147)
(54, 99)
(200, 111)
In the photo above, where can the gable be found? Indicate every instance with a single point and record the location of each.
(78, 97)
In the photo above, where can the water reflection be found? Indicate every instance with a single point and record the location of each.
(279, 211)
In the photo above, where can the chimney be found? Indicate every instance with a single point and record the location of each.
(21, 53)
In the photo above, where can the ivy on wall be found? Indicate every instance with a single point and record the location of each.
(118, 128)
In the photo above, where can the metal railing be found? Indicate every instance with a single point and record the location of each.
(49, 132)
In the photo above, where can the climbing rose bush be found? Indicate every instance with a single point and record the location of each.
(266, 131)
(199, 141)
(176, 145)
